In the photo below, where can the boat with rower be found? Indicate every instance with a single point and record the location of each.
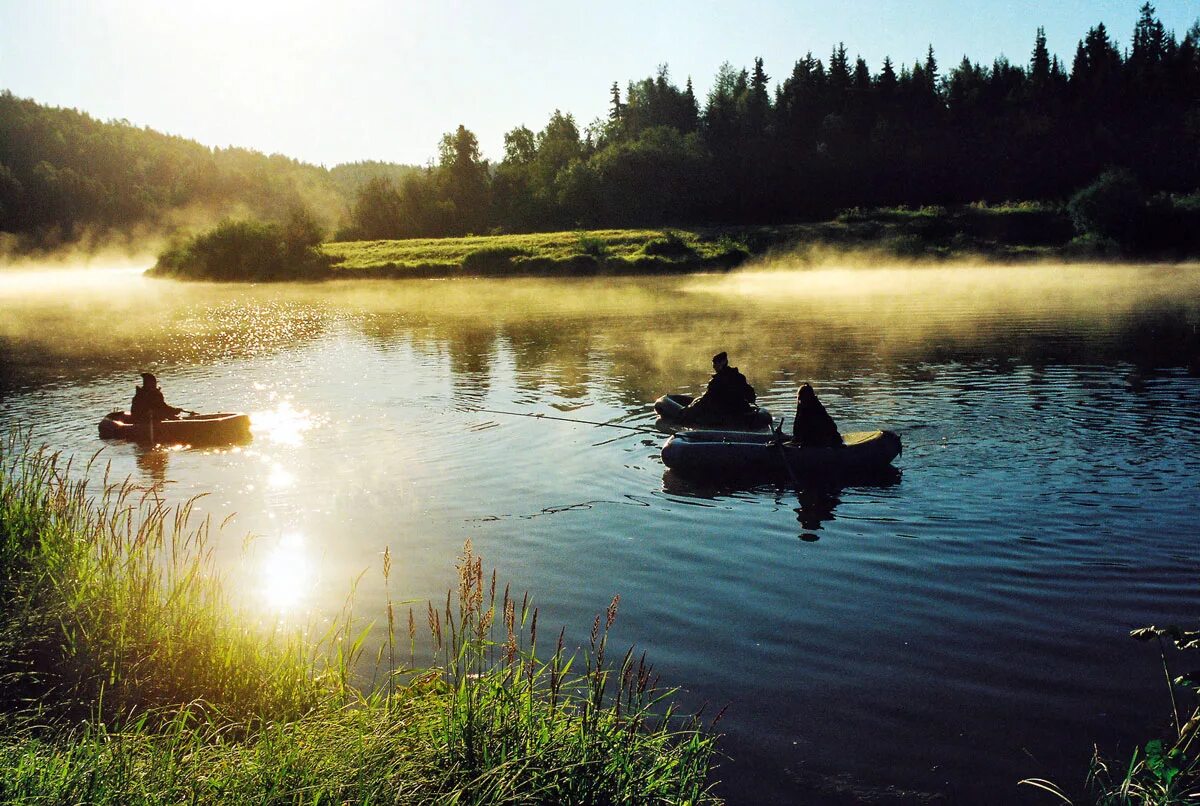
(198, 429)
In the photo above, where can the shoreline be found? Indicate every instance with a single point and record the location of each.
(1009, 235)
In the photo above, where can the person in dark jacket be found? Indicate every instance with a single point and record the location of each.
(813, 427)
(729, 394)
(148, 403)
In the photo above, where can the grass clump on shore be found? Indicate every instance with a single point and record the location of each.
(1165, 771)
(127, 676)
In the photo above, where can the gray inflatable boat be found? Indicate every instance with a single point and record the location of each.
(755, 454)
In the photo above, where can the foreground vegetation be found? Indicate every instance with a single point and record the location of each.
(1166, 771)
(127, 676)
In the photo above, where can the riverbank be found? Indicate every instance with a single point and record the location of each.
(1010, 233)
(127, 675)
(978, 233)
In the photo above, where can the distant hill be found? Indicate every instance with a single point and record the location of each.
(66, 178)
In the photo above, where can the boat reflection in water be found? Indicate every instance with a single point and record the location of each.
(816, 498)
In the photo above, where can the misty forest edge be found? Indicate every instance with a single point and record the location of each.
(911, 161)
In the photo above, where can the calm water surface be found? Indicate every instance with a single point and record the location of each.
(936, 636)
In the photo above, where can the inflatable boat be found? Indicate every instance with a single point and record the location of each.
(747, 454)
(669, 409)
(199, 429)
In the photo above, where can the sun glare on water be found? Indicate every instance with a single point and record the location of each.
(282, 425)
(286, 576)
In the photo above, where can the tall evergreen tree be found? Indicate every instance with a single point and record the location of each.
(1039, 61)
(886, 82)
(616, 109)
(758, 103)
(1149, 40)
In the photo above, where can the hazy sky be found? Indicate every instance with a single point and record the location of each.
(333, 82)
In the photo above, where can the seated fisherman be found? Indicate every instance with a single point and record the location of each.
(813, 427)
(728, 395)
(148, 403)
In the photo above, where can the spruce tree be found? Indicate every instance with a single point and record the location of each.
(616, 110)
(1039, 62)
(887, 78)
(759, 101)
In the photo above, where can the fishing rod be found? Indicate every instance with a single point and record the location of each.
(539, 416)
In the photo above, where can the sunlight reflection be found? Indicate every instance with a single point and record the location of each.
(282, 425)
(279, 477)
(287, 573)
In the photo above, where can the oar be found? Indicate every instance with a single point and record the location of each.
(539, 416)
(778, 443)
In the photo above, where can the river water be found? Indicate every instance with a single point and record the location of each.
(932, 637)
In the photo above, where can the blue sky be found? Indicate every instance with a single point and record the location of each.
(368, 79)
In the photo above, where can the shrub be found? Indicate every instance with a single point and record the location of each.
(592, 246)
(493, 260)
(1111, 206)
(249, 250)
(668, 245)
(1093, 245)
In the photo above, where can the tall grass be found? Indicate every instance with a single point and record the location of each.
(127, 676)
(1166, 771)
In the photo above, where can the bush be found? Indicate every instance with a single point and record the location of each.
(668, 245)
(592, 246)
(249, 250)
(493, 260)
(1093, 245)
(1111, 206)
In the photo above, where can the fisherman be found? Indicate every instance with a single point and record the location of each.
(813, 427)
(728, 395)
(148, 403)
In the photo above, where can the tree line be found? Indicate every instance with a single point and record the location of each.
(831, 134)
(65, 177)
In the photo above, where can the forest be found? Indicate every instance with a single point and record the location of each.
(830, 135)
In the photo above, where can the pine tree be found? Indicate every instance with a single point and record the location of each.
(1039, 62)
(758, 103)
(887, 78)
(616, 110)
(862, 75)
(931, 71)
(839, 69)
(1149, 40)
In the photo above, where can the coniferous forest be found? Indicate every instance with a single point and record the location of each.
(831, 133)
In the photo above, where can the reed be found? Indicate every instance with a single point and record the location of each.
(127, 676)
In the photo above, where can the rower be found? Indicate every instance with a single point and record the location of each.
(148, 403)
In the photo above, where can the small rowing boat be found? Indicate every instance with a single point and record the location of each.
(669, 409)
(199, 429)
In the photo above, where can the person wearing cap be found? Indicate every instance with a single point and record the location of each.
(813, 427)
(729, 394)
(148, 403)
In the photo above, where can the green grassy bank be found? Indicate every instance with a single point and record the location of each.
(128, 676)
(1015, 232)
(1091, 227)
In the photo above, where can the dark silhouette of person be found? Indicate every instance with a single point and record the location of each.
(813, 427)
(148, 403)
(728, 394)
